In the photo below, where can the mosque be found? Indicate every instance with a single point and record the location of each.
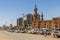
(39, 22)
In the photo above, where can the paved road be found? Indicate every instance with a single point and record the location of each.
(23, 36)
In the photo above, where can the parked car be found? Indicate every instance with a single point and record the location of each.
(44, 30)
(23, 31)
(34, 31)
(17, 31)
(10, 30)
(56, 32)
(13, 30)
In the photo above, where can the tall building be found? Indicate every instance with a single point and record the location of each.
(19, 21)
(36, 18)
(27, 19)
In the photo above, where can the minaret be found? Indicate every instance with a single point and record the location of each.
(35, 9)
(42, 16)
(35, 12)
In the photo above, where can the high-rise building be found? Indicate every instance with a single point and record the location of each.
(19, 21)
(27, 19)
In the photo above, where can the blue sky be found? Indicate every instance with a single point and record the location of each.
(10, 10)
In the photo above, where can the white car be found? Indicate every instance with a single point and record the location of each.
(17, 31)
(10, 30)
(56, 32)
(23, 31)
(44, 30)
(34, 31)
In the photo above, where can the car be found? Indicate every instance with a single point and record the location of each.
(34, 31)
(10, 30)
(56, 32)
(13, 30)
(30, 31)
(23, 31)
(44, 30)
(17, 31)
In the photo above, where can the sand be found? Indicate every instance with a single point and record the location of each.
(24, 36)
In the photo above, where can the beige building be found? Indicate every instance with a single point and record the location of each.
(54, 23)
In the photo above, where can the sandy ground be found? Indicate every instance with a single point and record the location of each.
(24, 36)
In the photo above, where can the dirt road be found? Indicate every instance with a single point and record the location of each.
(24, 36)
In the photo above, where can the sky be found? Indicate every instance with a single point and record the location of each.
(10, 10)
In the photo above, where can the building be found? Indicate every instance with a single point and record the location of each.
(36, 20)
(19, 21)
(27, 20)
(24, 21)
(54, 23)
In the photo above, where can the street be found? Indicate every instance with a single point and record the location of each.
(4, 35)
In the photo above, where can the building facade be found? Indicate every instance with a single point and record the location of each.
(19, 21)
(27, 20)
(54, 23)
(36, 20)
